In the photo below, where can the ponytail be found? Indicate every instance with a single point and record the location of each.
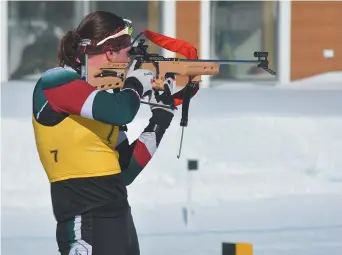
(67, 53)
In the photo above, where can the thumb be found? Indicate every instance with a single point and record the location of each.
(132, 67)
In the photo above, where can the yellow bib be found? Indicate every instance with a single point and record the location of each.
(77, 147)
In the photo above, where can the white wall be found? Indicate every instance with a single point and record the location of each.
(169, 24)
(284, 41)
(3, 41)
(205, 38)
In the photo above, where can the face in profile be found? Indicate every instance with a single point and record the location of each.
(122, 55)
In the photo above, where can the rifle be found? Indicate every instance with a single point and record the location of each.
(112, 75)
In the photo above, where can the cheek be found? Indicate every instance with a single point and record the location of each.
(122, 56)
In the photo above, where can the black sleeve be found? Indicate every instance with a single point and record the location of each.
(134, 157)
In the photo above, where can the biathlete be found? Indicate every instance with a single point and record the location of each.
(81, 141)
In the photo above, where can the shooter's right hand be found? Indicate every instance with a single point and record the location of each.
(144, 77)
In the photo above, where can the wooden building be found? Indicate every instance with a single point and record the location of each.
(303, 38)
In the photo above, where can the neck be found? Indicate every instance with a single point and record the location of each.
(97, 60)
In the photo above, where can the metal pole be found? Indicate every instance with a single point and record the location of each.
(192, 166)
(188, 199)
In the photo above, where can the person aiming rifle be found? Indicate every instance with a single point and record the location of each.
(82, 145)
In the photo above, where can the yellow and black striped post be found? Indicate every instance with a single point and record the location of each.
(237, 249)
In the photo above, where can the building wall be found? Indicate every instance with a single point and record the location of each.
(312, 29)
(188, 28)
(315, 26)
(188, 25)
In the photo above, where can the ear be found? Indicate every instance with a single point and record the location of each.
(110, 55)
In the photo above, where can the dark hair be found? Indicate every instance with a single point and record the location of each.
(95, 26)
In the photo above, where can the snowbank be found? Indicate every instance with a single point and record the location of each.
(270, 173)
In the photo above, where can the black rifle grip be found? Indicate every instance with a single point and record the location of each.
(138, 64)
(186, 103)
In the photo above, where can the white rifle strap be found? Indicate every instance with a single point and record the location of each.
(84, 68)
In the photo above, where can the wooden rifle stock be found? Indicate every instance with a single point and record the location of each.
(113, 75)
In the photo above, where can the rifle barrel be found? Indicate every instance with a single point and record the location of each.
(222, 62)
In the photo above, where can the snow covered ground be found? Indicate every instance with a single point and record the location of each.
(270, 173)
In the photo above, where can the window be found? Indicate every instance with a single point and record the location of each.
(34, 31)
(238, 29)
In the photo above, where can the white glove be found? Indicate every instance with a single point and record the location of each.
(163, 98)
(144, 76)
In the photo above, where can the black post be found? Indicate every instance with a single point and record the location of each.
(192, 164)
(237, 249)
